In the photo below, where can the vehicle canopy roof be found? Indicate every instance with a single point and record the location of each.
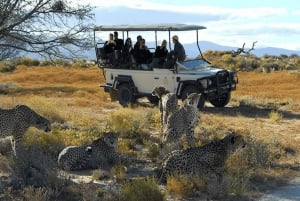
(149, 27)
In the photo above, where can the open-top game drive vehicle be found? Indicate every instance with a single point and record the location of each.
(126, 80)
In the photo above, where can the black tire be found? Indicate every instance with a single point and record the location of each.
(153, 100)
(113, 95)
(192, 89)
(125, 95)
(221, 101)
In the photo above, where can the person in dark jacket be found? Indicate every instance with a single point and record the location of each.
(161, 51)
(109, 45)
(128, 51)
(136, 46)
(178, 49)
(143, 55)
(119, 42)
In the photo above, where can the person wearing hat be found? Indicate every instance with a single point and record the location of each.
(178, 49)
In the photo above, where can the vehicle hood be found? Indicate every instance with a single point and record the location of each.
(204, 71)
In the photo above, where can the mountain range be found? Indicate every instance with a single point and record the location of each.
(206, 45)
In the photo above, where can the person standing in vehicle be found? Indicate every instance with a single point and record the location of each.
(178, 49)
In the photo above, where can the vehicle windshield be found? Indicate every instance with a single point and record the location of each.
(191, 65)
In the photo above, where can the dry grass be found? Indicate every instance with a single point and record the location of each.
(263, 109)
(275, 88)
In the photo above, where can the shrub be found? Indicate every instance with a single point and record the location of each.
(27, 61)
(275, 116)
(6, 67)
(128, 122)
(36, 168)
(180, 185)
(118, 172)
(141, 190)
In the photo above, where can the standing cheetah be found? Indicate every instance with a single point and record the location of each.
(168, 103)
(100, 153)
(200, 161)
(183, 121)
(15, 122)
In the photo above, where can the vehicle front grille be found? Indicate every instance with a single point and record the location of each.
(223, 77)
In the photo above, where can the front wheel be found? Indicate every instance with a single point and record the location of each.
(221, 101)
(125, 95)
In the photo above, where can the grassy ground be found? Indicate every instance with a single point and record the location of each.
(265, 108)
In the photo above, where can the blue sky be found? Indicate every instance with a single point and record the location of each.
(273, 23)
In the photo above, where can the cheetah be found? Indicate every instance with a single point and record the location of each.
(15, 122)
(200, 161)
(168, 103)
(100, 152)
(183, 121)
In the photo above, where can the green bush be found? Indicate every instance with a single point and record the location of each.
(6, 67)
(129, 122)
(141, 190)
(27, 61)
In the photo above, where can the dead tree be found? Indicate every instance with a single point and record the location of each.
(52, 28)
(251, 49)
(238, 51)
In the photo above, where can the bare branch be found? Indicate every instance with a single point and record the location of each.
(238, 51)
(45, 26)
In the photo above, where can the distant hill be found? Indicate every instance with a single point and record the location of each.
(192, 50)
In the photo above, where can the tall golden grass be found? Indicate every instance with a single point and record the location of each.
(275, 85)
(72, 98)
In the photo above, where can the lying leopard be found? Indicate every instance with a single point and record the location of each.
(199, 161)
(101, 153)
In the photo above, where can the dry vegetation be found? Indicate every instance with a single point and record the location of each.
(265, 109)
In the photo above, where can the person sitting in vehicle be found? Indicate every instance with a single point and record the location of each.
(119, 42)
(179, 51)
(143, 54)
(109, 45)
(161, 53)
(136, 46)
(128, 51)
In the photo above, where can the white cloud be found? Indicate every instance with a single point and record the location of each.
(271, 26)
(193, 9)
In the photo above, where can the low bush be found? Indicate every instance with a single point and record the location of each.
(141, 190)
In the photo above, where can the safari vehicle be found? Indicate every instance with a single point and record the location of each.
(126, 81)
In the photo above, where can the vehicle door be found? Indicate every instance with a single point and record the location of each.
(166, 78)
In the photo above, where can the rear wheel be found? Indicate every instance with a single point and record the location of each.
(125, 95)
(221, 101)
(192, 89)
(113, 95)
